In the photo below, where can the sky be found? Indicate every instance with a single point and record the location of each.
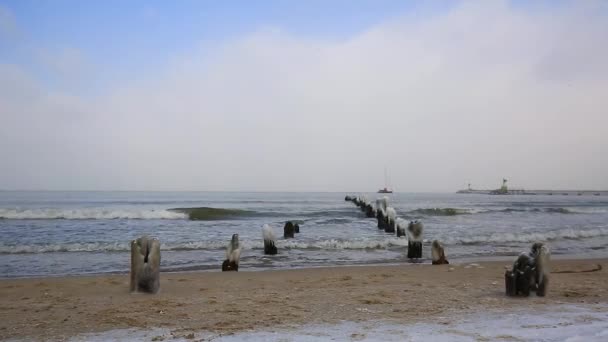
(303, 95)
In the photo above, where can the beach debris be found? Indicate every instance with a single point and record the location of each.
(145, 265)
(233, 255)
(581, 269)
(530, 272)
(438, 253)
(270, 247)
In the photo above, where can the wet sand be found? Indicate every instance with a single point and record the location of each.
(59, 308)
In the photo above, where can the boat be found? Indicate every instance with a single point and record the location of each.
(385, 190)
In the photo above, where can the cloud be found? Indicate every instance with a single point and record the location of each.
(479, 92)
(66, 63)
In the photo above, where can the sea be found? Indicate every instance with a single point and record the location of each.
(77, 233)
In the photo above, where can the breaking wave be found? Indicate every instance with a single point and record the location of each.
(105, 247)
(460, 211)
(440, 211)
(389, 242)
(202, 213)
(89, 214)
(332, 244)
(337, 244)
(522, 237)
(550, 210)
(334, 221)
(208, 214)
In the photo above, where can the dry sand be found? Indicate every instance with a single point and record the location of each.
(59, 308)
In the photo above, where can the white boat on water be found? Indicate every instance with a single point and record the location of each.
(386, 189)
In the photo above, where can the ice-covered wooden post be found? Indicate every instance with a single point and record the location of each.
(392, 220)
(233, 254)
(401, 227)
(145, 265)
(270, 247)
(438, 253)
(530, 272)
(289, 230)
(381, 206)
(414, 239)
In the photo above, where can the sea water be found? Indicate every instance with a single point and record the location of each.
(65, 233)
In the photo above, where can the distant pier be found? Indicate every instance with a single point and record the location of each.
(504, 190)
(536, 192)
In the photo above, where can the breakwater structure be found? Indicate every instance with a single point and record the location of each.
(504, 190)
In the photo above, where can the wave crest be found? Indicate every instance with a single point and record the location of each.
(208, 214)
(549, 210)
(89, 214)
(563, 234)
(330, 244)
(204, 245)
(106, 247)
(440, 211)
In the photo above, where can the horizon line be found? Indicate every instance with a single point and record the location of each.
(243, 191)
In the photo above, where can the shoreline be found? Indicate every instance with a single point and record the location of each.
(424, 261)
(59, 308)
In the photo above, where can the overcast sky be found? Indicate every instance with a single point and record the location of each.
(303, 96)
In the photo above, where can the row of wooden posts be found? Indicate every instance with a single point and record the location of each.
(145, 256)
(390, 223)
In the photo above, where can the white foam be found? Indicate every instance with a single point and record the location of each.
(103, 247)
(335, 244)
(89, 213)
(330, 244)
(527, 237)
(546, 323)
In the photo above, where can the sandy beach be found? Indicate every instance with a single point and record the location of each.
(60, 308)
